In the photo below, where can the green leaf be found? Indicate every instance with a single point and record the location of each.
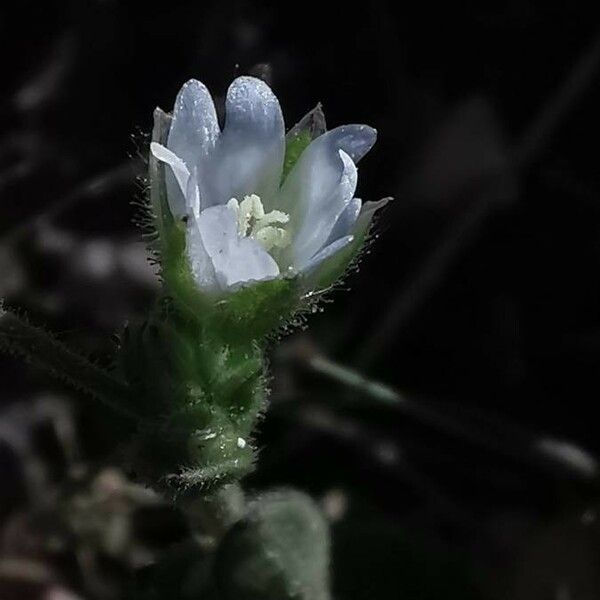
(279, 551)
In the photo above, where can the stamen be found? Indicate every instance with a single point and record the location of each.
(255, 223)
(272, 237)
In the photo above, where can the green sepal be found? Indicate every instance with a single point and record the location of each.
(311, 126)
(164, 241)
(257, 310)
(243, 315)
(168, 242)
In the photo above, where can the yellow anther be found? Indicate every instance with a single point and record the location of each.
(255, 223)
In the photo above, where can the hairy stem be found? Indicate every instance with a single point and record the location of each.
(40, 349)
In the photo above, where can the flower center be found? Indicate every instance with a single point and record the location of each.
(265, 228)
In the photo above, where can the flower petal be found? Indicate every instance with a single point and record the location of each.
(329, 264)
(193, 133)
(202, 266)
(323, 188)
(318, 171)
(179, 176)
(192, 194)
(235, 259)
(343, 226)
(354, 140)
(327, 252)
(248, 157)
(195, 128)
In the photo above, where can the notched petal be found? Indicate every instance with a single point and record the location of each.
(195, 128)
(248, 157)
(251, 105)
(193, 134)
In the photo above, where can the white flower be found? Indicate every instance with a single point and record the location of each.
(243, 223)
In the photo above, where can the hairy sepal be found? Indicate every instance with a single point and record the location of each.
(311, 126)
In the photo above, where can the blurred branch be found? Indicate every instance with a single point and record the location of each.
(386, 452)
(543, 126)
(560, 457)
(93, 188)
(378, 391)
(467, 226)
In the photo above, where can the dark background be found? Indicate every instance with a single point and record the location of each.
(479, 301)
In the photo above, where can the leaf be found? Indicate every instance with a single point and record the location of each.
(39, 348)
(280, 550)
